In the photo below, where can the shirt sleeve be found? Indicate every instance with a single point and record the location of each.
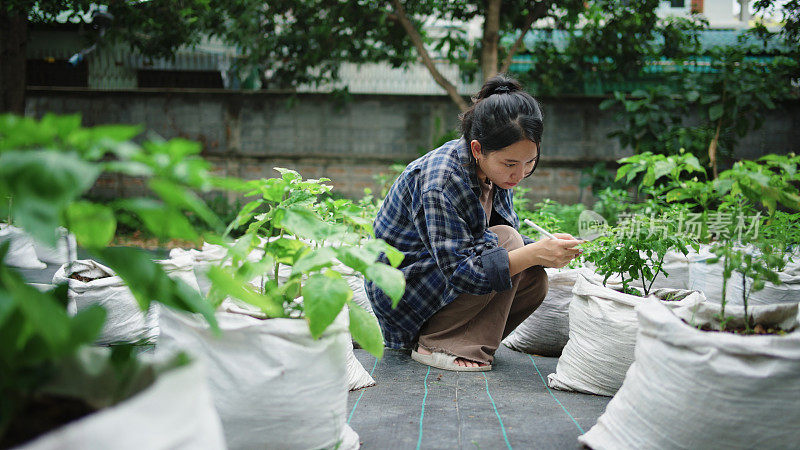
(471, 265)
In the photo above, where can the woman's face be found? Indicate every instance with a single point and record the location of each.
(508, 166)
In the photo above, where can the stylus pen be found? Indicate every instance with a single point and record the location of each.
(530, 223)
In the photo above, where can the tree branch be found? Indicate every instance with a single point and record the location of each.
(416, 39)
(539, 11)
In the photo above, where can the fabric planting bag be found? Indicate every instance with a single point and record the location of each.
(181, 267)
(273, 385)
(788, 291)
(546, 331)
(174, 412)
(707, 278)
(210, 255)
(21, 252)
(602, 336)
(676, 264)
(692, 389)
(125, 321)
(357, 376)
(66, 249)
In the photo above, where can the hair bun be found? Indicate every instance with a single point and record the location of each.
(499, 84)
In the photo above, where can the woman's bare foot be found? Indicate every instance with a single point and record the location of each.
(460, 361)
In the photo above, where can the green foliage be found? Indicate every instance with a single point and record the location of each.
(635, 250)
(295, 225)
(546, 220)
(46, 168)
(653, 167)
(611, 203)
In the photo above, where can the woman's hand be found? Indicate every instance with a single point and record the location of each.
(554, 252)
(546, 252)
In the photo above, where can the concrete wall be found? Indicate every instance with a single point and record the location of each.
(247, 134)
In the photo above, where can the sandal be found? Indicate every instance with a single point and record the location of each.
(444, 361)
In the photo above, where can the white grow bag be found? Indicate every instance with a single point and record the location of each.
(707, 278)
(176, 412)
(692, 389)
(21, 252)
(125, 321)
(676, 264)
(788, 291)
(66, 249)
(546, 331)
(272, 383)
(602, 336)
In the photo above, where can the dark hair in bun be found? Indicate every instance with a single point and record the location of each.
(502, 114)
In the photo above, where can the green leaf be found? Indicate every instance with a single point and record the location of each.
(314, 260)
(42, 184)
(765, 99)
(715, 112)
(85, 327)
(365, 329)
(661, 168)
(649, 177)
(357, 258)
(92, 224)
(623, 170)
(288, 175)
(274, 189)
(183, 198)
(286, 251)
(47, 318)
(390, 280)
(148, 282)
(305, 224)
(162, 220)
(240, 289)
(323, 299)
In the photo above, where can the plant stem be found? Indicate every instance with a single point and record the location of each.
(277, 263)
(724, 291)
(745, 294)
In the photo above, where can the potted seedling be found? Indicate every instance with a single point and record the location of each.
(280, 296)
(602, 319)
(57, 390)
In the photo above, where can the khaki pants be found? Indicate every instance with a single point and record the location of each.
(472, 326)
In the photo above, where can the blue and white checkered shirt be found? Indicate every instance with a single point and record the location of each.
(433, 215)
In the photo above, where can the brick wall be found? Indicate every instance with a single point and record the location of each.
(247, 134)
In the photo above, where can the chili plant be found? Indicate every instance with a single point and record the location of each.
(635, 250)
(750, 254)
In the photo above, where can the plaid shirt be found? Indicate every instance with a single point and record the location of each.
(433, 215)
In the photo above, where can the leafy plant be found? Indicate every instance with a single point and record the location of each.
(748, 253)
(292, 227)
(46, 167)
(635, 250)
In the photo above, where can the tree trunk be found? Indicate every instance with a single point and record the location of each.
(538, 11)
(13, 58)
(491, 39)
(416, 39)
